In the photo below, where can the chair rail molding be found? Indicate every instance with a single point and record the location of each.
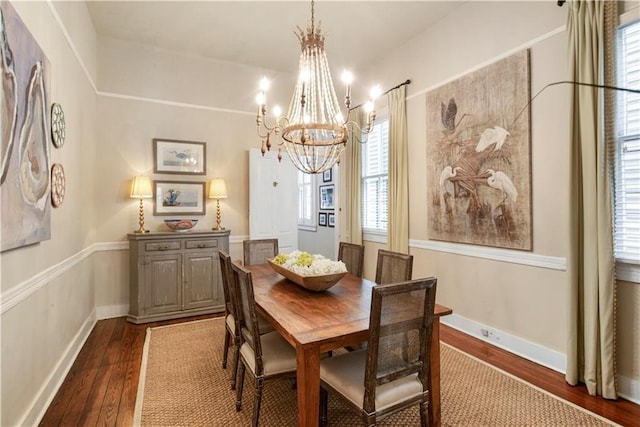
(495, 254)
(23, 290)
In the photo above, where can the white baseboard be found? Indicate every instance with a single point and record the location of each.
(111, 311)
(628, 388)
(513, 344)
(48, 391)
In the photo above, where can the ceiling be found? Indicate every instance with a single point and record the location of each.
(261, 33)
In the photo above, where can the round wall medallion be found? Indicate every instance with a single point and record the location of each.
(58, 184)
(57, 125)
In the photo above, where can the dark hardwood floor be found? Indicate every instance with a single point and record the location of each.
(101, 387)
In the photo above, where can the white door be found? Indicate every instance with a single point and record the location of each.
(273, 199)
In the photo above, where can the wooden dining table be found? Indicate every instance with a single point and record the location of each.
(316, 322)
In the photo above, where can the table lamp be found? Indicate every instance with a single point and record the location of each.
(218, 190)
(141, 188)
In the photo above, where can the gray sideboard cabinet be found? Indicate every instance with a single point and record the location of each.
(175, 274)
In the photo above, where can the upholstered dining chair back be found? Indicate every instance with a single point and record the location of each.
(353, 257)
(248, 316)
(396, 360)
(227, 274)
(393, 267)
(266, 356)
(258, 250)
(232, 321)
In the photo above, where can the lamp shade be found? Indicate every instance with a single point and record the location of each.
(141, 187)
(217, 189)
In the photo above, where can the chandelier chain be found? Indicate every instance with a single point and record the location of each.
(313, 28)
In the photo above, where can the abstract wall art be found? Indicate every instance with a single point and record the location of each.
(479, 157)
(24, 128)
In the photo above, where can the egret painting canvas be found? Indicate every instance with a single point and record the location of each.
(479, 157)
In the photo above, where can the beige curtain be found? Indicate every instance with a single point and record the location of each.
(352, 178)
(591, 334)
(398, 226)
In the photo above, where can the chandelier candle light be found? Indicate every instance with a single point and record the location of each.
(315, 132)
(141, 188)
(218, 190)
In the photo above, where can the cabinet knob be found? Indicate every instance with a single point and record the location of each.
(201, 245)
(163, 247)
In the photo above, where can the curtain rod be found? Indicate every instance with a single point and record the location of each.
(406, 82)
(594, 85)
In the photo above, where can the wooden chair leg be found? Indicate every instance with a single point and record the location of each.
(424, 414)
(240, 387)
(236, 357)
(257, 401)
(227, 342)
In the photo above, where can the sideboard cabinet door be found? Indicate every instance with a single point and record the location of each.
(201, 280)
(162, 283)
(175, 275)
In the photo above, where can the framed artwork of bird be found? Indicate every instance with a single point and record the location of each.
(479, 157)
(179, 157)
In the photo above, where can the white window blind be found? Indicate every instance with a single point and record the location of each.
(306, 207)
(375, 181)
(627, 179)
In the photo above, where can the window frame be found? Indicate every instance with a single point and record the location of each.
(310, 223)
(377, 235)
(625, 270)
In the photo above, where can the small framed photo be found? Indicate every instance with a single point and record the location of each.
(326, 175)
(322, 219)
(326, 196)
(178, 198)
(179, 157)
(332, 219)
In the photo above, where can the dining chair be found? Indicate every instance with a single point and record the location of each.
(266, 357)
(392, 373)
(232, 328)
(258, 250)
(353, 257)
(393, 267)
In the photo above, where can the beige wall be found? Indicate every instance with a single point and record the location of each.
(180, 97)
(38, 331)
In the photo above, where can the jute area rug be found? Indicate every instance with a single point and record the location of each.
(182, 383)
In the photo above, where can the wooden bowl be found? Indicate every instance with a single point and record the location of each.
(311, 283)
(181, 225)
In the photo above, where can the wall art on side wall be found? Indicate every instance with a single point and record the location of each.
(322, 219)
(25, 184)
(479, 157)
(326, 196)
(58, 126)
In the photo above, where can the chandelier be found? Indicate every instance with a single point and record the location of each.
(314, 133)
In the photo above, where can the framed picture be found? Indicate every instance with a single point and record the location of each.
(326, 175)
(480, 167)
(326, 196)
(332, 219)
(179, 157)
(178, 198)
(322, 219)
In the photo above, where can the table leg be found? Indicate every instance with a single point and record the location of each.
(308, 383)
(434, 376)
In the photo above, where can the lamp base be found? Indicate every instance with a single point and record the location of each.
(218, 228)
(141, 229)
